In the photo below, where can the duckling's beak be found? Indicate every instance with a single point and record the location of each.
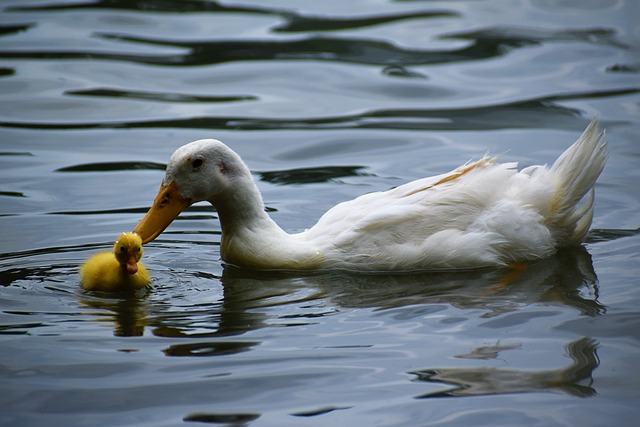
(132, 265)
(166, 207)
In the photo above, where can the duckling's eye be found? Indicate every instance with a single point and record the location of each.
(123, 249)
(195, 164)
(139, 249)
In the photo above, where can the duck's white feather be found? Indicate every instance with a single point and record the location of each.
(573, 176)
(456, 220)
(481, 214)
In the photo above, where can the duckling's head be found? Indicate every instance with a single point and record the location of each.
(128, 251)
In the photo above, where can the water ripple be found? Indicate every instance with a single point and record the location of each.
(544, 111)
(145, 5)
(224, 419)
(299, 23)
(310, 175)
(113, 166)
(484, 44)
(294, 21)
(157, 96)
(12, 29)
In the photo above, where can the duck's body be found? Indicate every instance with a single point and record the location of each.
(118, 270)
(481, 214)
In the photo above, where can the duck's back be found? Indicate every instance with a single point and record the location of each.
(481, 214)
(454, 220)
(489, 215)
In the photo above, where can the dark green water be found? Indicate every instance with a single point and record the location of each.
(325, 101)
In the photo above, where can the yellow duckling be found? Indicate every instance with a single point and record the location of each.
(119, 270)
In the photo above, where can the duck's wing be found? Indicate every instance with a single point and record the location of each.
(416, 210)
(428, 223)
(424, 184)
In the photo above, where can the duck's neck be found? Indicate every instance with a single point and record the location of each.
(241, 206)
(250, 238)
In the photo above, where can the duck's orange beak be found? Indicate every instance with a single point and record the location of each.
(166, 207)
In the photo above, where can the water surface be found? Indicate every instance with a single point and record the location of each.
(325, 101)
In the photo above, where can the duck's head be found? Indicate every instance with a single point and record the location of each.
(128, 251)
(203, 170)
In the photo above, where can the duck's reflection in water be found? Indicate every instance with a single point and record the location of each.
(214, 328)
(575, 379)
(566, 279)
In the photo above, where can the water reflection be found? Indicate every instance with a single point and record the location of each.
(215, 348)
(213, 328)
(567, 279)
(575, 379)
(488, 352)
(128, 313)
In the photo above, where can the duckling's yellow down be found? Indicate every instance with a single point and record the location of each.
(119, 270)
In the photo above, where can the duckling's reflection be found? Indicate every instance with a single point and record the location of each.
(575, 379)
(127, 311)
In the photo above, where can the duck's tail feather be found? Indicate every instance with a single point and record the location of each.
(574, 174)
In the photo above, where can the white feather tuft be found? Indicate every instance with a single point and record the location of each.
(574, 174)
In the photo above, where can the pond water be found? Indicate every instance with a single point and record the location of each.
(324, 101)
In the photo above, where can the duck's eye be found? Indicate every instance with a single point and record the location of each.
(197, 163)
(139, 249)
(123, 249)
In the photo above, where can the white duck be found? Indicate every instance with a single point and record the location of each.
(482, 214)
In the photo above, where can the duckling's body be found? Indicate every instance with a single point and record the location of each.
(118, 270)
